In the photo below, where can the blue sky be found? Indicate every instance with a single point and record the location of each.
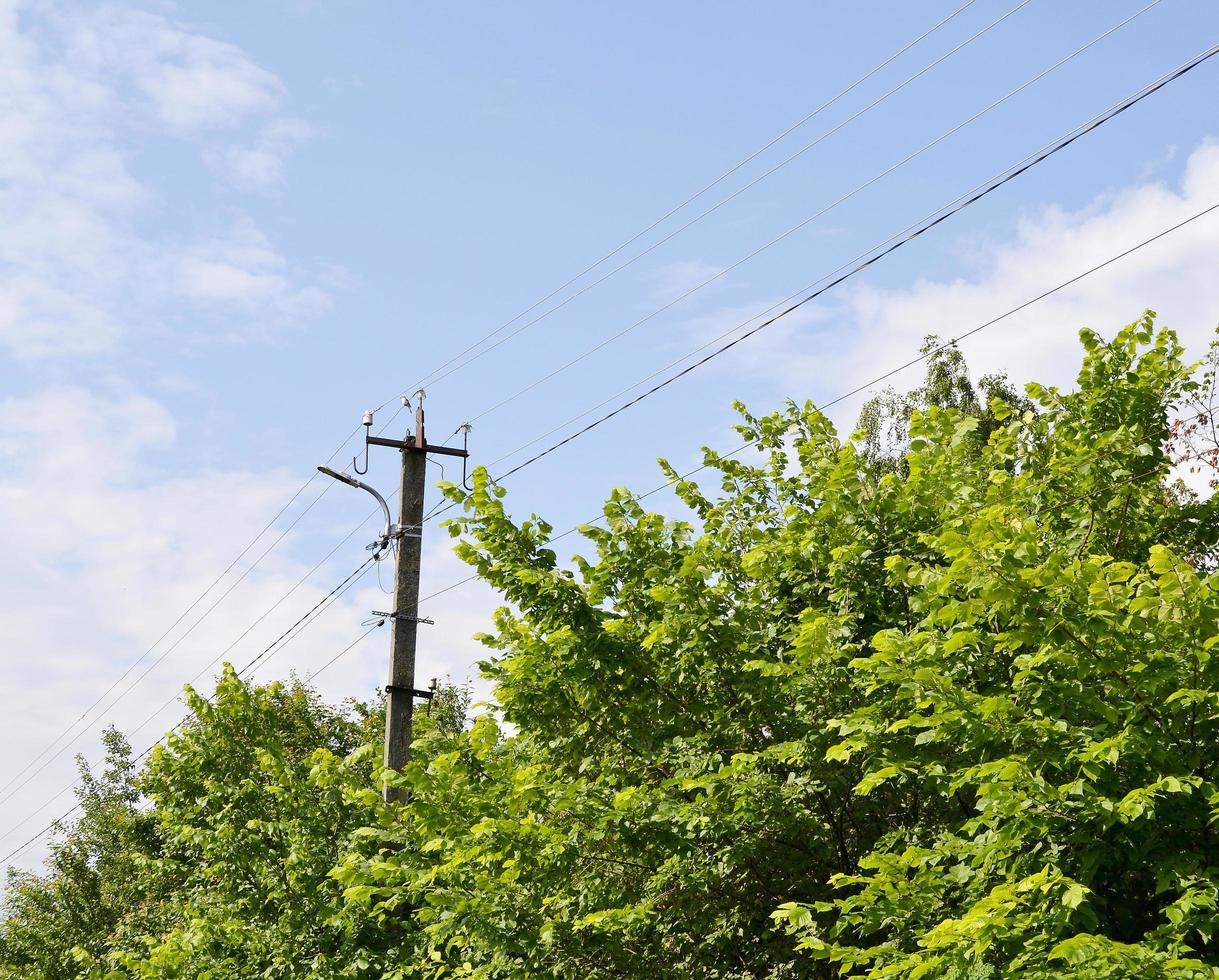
(229, 228)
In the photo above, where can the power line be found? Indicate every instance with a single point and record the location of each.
(689, 200)
(286, 636)
(923, 229)
(711, 210)
(202, 595)
(795, 295)
(720, 274)
(887, 374)
(347, 649)
(68, 730)
(212, 662)
(291, 633)
(147, 670)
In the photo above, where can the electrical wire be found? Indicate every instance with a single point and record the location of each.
(147, 670)
(714, 183)
(806, 288)
(668, 483)
(437, 377)
(142, 657)
(721, 273)
(346, 650)
(890, 245)
(923, 229)
(274, 647)
(84, 714)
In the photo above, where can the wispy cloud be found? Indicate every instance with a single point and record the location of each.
(82, 87)
(865, 329)
(675, 279)
(260, 164)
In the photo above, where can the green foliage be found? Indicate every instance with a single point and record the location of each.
(937, 701)
(89, 889)
(884, 422)
(947, 718)
(225, 870)
(250, 831)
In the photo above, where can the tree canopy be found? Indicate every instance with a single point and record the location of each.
(932, 700)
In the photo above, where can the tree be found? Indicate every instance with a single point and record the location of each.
(215, 858)
(953, 717)
(88, 890)
(939, 705)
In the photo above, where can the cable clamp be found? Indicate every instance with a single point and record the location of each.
(404, 618)
(425, 695)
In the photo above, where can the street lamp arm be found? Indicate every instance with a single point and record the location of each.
(359, 485)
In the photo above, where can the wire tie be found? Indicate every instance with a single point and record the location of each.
(403, 617)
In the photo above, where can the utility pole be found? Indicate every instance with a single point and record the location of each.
(400, 692)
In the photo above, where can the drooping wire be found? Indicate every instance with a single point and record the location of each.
(668, 483)
(721, 273)
(347, 649)
(267, 653)
(923, 229)
(440, 374)
(897, 236)
(143, 674)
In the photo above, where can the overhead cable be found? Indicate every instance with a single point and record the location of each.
(721, 273)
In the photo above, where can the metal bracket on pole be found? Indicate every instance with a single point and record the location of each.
(408, 446)
(425, 695)
(404, 618)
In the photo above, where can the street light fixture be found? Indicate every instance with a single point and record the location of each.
(391, 529)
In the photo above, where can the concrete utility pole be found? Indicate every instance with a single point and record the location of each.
(400, 692)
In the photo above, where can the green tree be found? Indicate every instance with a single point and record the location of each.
(936, 700)
(950, 717)
(94, 881)
(250, 833)
(883, 430)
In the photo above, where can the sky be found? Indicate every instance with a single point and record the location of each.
(229, 228)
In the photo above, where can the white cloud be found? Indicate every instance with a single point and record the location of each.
(81, 87)
(243, 270)
(260, 164)
(189, 81)
(870, 329)
(108, 544)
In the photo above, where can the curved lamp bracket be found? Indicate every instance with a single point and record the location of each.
(390, 527)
